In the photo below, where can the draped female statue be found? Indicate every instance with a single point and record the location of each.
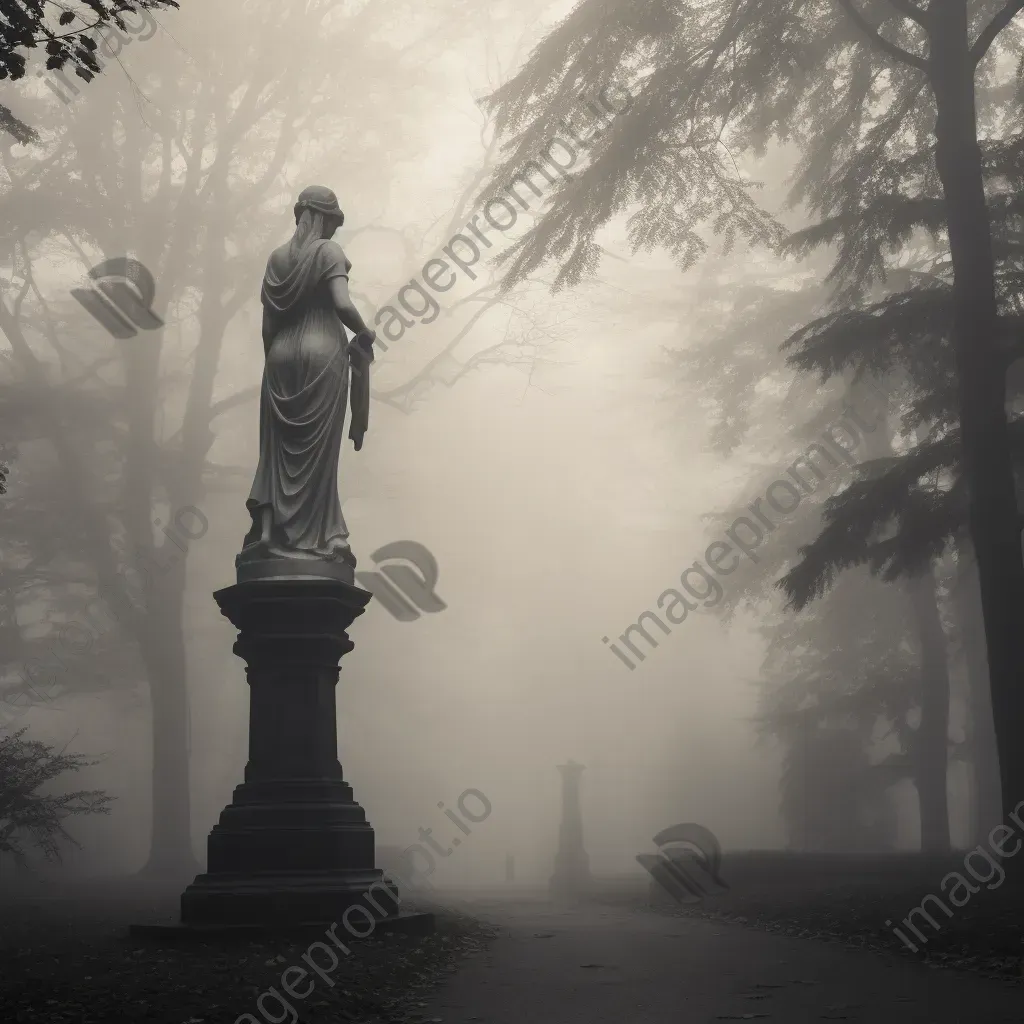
(297, 524)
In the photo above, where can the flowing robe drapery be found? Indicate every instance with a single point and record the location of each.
(302, 407)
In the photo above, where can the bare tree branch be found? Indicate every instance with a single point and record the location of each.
(896, 52)
(994, 27)
(912, 11)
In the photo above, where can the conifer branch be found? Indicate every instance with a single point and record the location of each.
(994, 27)
(894, 51)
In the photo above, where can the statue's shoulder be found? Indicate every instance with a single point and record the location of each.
(330, 248)
(279, 257)
(334, 256)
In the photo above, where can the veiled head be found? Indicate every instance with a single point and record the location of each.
(320, 199)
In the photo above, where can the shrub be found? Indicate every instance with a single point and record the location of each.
(26, 815)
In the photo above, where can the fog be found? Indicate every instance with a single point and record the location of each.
(557, 468)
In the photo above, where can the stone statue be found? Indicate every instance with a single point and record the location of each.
(297, 525)
(294, 848)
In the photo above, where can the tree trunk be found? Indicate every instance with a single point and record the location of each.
(163, 649)
(161, 570)
(986, 458)
(171, 855)
(930, 743)
(931, 740)
(986, 806)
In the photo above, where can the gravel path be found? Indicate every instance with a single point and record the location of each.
(598, 964)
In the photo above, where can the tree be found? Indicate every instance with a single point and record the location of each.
(911, 507)
(25, 24)
(28, 23)
(26, 766)
(855, 652)
(46, 562)
(203, 234)
(881, 100)
(197, 189)
(833, 801)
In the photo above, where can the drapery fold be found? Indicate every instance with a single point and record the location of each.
(294, 500)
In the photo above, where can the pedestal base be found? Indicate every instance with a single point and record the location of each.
(293, 847)
(287, 899)
(293, 569)
(569, 885)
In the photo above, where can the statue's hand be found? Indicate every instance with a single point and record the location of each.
(364, 340)
(360, 351)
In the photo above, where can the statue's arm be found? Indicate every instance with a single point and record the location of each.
(347, 312)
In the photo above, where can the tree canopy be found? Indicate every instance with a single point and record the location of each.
(66, 31)
(901, 123)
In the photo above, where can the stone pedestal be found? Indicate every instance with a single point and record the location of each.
(572, 866)
(293, 846)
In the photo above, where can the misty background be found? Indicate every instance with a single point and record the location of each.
(550, 454)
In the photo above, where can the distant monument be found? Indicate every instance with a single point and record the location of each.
(572, 866)
(293, 846)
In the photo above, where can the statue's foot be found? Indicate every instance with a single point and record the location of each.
(263, 549)
(252, 550)
(343, 554)
(335, 553)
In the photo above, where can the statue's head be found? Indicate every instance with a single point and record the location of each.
(322, 200)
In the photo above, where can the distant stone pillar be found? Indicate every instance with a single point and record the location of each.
(572, 866)
(510, 868)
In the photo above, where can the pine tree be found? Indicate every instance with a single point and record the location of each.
(899, 115)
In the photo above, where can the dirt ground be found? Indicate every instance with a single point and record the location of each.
(607, 964)
(67, 959)
(795, 939)
(849, 900)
